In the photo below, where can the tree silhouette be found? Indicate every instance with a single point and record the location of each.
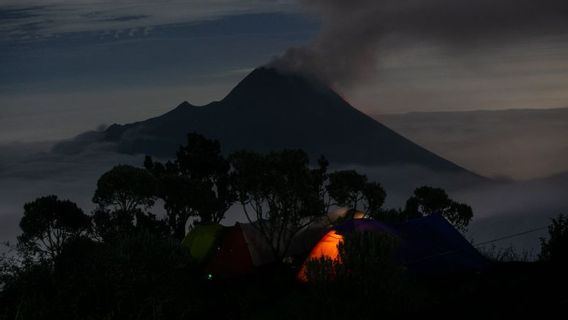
(109, 225)
(196, 184)
(555, 248)
(125, 188)
(346, 188)
(428, 200)
(374, 195)
(124, 194)
(202, 162)
(351, 189)
(48, 223)
(279, 194)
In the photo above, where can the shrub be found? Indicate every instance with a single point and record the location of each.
(555, 248)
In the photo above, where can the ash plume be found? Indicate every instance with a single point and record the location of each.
(348, 45)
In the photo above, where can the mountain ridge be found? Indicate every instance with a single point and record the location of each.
(270, 110)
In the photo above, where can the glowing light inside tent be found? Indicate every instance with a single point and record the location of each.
(358, 215)
(326, 247)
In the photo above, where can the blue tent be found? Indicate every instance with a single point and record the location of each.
(431, 245)
(427, 246)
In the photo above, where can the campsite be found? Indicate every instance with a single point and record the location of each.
(317, 244)
(283, 159)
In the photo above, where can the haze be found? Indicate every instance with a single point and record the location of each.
(71, 66)
(95, 62)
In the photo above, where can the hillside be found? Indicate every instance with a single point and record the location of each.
(269, 110)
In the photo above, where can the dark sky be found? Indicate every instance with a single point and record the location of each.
(94, 62)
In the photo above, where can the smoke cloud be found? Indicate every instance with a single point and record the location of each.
(347, 48)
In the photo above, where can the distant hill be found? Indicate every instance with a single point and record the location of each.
(270, 110)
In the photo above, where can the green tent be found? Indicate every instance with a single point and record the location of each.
(202, 239)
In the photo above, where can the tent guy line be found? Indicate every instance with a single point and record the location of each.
(481, 244)
(510, 236)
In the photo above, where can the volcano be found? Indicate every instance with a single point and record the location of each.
(271, 110)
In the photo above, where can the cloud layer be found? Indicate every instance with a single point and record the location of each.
(28, 171)
(517, 144)
(31, 170)
(29, 19)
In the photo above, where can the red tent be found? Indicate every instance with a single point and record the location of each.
(232, 257)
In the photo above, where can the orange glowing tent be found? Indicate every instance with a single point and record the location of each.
(326, 247)
(428, 245)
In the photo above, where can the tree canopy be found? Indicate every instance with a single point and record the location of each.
(279, 193)
(428, 200)
(48, 223)
(352, 190)
(196, 184)
(125, 188)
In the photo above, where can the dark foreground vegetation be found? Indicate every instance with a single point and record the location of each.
(125, 261)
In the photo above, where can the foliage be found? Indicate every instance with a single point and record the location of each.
(123, 195)
(108, 225)
(8, 264)
(201, 160)
(374, 195)
(134, 277)
(279, 193)
(368, 258)
(351, 189)
(507, 254)
(555, 248)
(48, 223)
(196, 184)
(26, 291)
(427, 200)
(366, 277)
(123, 262)
(346, 188)
(364, 258)
(125, 188)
